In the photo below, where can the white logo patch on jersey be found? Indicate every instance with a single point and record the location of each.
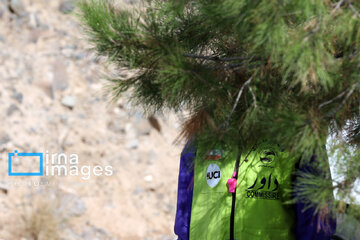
(213, 175)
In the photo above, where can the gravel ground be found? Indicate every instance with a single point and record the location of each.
(52, 100)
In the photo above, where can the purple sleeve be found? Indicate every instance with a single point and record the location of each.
(308, 225)
(185, 192)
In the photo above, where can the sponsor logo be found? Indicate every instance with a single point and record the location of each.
(263, 195)
(267, 188)
(267, 156)
(214, 154)
(213, 175)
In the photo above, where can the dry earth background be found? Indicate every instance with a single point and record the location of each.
(52, 99)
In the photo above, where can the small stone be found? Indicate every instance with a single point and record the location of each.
(132, 2)
(69, 101)
(128, 127)
(17, 7)
(60, 79)
(137, 115)
(12, 109)
(120, 113)
(1, 12)
(130, 131)
(152, 156)
(32, 130)
(67, 6)
(18, 96)
(79, 56)
(90, 79)
(160, 196)
(67, 52)
(34, 35)
(115, 126)
(168, 237)
(47, 88)
(69, 234)
(138, 190)
(148, 178)
(94, 100)
(34, 21)
(143, 127)
(72, 205)
(169, 208)
(64, 119)
(4, 188)
(4, 138)
(133, 144)
(94, 233)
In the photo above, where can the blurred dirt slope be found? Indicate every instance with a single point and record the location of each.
(52, 99)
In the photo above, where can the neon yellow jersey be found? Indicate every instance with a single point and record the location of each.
(260, 212)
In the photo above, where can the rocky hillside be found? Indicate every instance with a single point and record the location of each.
(52, 100)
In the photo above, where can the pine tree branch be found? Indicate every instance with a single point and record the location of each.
(229, 66)
(227, 122)
(254, 97)
(201, 79)
(341, 2)
(215, 58)
(234, 66)
(226, 59)
(198, 77)
(354, 86)
(332, 100)
(337, 6)
(313, 31)
(353, 9)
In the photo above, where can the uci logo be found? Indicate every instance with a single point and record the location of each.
(213, 175)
